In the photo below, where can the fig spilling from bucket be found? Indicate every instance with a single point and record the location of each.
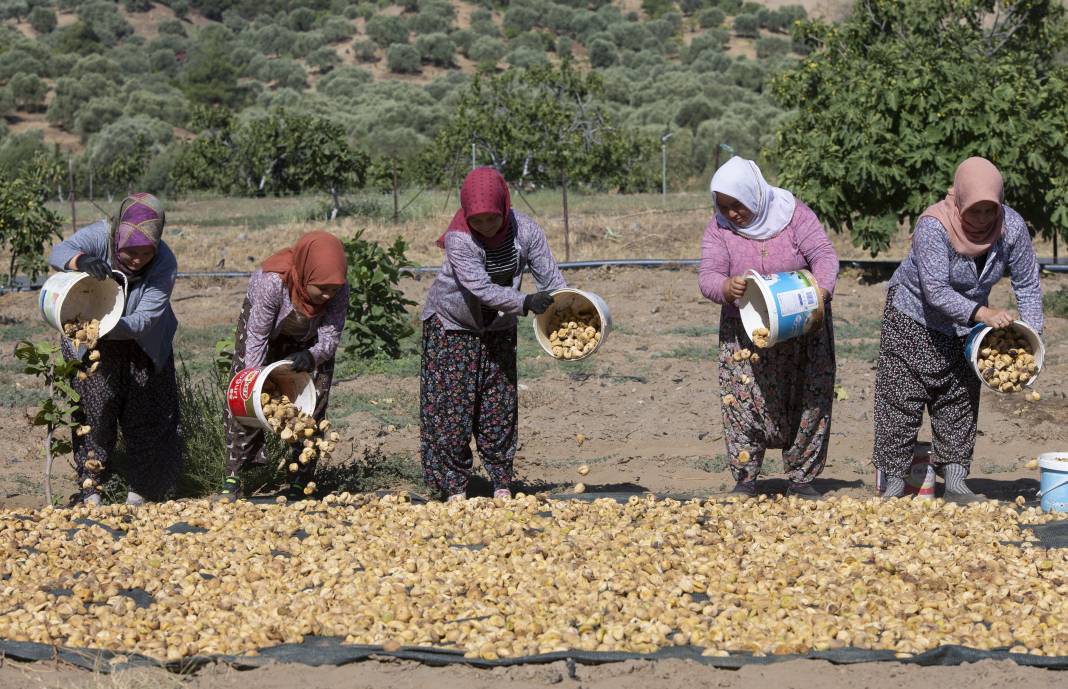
(1006, 360)
(85, 333)
(760, 337)
(573, 335)
(299, 429)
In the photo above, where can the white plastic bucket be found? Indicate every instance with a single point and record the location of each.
(65, 296)
(974, 344)
(787, 304)
(243, 392)
(582, 303)
(1053, 485)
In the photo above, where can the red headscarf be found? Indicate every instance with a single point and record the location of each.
(484, 191)
(318, 258)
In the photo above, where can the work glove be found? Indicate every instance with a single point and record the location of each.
(303, 362)
(538, 302)
(96, 267)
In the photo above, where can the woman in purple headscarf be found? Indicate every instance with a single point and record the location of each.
(134, 386)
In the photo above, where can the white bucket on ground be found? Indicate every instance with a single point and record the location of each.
(1053, 485)
(787, 304)
(582, 303)
(974, 344)
(243, 392)
(65, 296)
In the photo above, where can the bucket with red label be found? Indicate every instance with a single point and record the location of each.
(243, 394)
(921, 479)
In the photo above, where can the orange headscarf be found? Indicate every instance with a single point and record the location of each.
(318, 258)
(976, 180)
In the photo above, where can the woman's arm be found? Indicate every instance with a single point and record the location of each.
(265, 291)
(931, 252)
(542, 263)
(816, 248)
(471, 273)
(715, 264)
(91, 239)
(333, 323)
(1023, 274)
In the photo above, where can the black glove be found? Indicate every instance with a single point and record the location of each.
(303, 362)
(97, 267)
(538, 302)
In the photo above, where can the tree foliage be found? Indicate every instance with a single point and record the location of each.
(26, 223)
(377, 320)
(893, 99)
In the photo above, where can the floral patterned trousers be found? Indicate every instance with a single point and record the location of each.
(782, 402)
(128, 392)
(467, 387)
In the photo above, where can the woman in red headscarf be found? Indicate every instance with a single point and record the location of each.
(294, 309)
(468, 377)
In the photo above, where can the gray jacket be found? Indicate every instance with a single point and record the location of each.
(148, 317)
(942, 289)
(463, 286)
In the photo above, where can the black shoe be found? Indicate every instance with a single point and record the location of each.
(745, 488)
(231, 490)
(805, 491)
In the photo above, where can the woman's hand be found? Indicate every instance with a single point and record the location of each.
(995, 318)
(733, 288)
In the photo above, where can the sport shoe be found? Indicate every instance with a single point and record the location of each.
(134, 500)
(502, 493)
(456, 497)
(93, 499)
(745, 488)
(231, 490)
(805, 491)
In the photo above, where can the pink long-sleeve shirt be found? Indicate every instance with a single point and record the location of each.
(801, 245)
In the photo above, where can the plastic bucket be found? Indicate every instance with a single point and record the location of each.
(921, 479)
(1053, 485)
(787, 304)
(582, 303)
(65, 296)
(974, 344)
(243, 392)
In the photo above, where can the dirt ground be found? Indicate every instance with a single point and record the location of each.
(670, 674)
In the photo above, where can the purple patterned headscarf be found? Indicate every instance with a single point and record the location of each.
(140, 223)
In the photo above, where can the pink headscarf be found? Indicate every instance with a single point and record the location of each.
(140, 223)
(483, 191)
(976, 180)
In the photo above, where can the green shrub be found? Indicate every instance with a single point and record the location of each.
(487, 51)
(42, 20)
(710, 18)
(746, 26)
(29, 91)
(324, 59)
(377, 320)
(403, 59)
(603, 53)
(387, 31)
(772, 46)
(336, 30)
(1056, 303)
(365, 51)
(436, 48)
(526, 57)
(172, 27)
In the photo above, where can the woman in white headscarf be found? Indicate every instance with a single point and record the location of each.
(781, 397)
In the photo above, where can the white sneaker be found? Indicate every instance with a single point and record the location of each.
(92, 500)
(458, 497)
(134, 499)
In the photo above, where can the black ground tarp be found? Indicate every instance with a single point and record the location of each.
(318, 651)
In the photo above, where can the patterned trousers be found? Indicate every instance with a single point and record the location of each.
(782, 402)
(467, 387)
(919, 369)
(244, 444)
(127, 392)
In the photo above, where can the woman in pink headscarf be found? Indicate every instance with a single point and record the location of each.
(961, 247)
(468, 376)
(134, 386)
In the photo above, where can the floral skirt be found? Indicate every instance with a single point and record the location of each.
(781, 402)
(467, 388)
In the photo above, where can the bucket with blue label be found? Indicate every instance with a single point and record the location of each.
(780, 307)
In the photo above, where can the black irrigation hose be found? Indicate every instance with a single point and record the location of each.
(1046, 265)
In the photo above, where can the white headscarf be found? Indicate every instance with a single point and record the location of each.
(772, 207)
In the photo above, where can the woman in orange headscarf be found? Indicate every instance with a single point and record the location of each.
(294, 309)
(961, 247)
